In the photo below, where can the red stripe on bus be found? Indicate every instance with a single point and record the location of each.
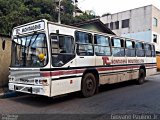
(70, 72)
(45, 74)
(104, 69)
(58, 73)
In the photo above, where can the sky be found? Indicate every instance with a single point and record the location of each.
(101, 7)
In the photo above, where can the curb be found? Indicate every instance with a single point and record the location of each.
(8, 94)
(1, 95)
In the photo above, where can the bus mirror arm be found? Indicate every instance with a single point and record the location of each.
(71, 63)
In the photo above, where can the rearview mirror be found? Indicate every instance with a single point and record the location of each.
(3, 44)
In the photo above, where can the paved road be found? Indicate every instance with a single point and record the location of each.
(119, 98)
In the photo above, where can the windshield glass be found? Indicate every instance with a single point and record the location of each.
(29, 51)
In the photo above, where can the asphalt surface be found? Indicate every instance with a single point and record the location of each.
(122, 98)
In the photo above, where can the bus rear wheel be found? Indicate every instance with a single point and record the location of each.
(141, 78)
(89, 85)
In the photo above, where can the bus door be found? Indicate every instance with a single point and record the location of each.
(130, 51)
(103, 58)
(84, 49)
(119, 61)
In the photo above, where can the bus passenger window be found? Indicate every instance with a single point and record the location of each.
(140, 49)
(84, 44)
(102, 46)
(130, 49)
(148, 50)
(153, 51)
(118, 47)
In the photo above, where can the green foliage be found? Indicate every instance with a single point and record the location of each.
(17, 12)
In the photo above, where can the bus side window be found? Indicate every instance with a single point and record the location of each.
(118, 47)
(84, 44)
(148, 50)
(130, 48)
(153, 51)
(140, 49)
(102, 45)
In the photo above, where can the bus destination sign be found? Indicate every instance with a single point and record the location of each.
(29, 28)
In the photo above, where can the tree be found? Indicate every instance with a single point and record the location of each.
(17, 12)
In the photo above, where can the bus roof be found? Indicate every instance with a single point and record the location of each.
(22, 28)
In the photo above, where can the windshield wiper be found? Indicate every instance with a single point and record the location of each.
(29, 43)
(34, 40)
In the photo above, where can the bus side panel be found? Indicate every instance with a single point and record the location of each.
(135, 74)
(108, 79)
(64, 86)
(151, 68)
(150, 71)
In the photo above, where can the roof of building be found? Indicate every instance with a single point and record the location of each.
(97, 22)
(78, 9)
(130, 10)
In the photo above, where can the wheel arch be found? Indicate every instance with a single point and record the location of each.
(143, 68)
(94, 72)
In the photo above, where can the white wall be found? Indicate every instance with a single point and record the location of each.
(143, 36)
(140, 27)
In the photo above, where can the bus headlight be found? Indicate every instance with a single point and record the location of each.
(11, 78)
(41, 81)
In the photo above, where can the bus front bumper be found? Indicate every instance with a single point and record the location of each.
(31, 89)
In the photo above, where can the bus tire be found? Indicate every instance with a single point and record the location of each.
(141, 77)
(88, 85)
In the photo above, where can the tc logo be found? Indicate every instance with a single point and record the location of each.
(106, 60)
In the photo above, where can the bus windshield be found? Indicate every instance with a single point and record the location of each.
(29, 51)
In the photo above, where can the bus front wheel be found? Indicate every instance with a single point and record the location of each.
(141, 77)
(88, 85)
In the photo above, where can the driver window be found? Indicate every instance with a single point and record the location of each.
(62, 49)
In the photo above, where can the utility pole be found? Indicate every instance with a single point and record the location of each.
(59, 12)
(74, 9)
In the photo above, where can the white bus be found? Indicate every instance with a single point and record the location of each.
(52, 59)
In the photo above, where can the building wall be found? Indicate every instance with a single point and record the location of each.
(140, 20)
(156, 29)
(140, 24)
(143, 36)
(156, 14)
(5, 59)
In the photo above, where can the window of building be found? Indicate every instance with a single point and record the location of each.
(155, 38)
(114, 25)
(125, 23)
(117, 47)
(107, 25)
(102, 46)
(84, 43)
(155, 22)
(111, 25)
(117, 25)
